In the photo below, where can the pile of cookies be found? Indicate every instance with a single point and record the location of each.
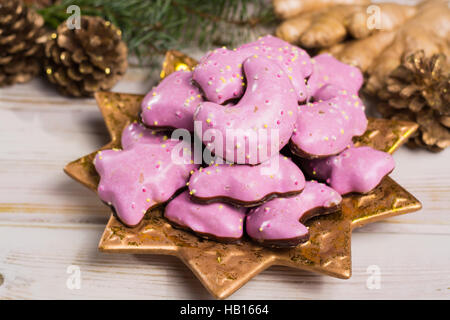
(268, 114)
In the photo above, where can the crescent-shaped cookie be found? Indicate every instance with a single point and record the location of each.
(217, 221)
(260, 124)
(172, 103)
(326, 128)
(280, 222)
(330, 76)
(247, 185)
(221, 77)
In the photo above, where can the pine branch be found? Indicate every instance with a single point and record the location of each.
(153, 26)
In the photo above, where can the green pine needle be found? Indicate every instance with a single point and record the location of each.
(151, 27)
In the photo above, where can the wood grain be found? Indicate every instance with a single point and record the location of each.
(48, 222)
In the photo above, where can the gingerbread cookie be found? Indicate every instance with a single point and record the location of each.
(246, 185)
(330, 76)
(279, 222)
(260, 124)
(212, 221)
(358, 169)
(221, 77)
(326, 128)
(141, 176)
(172, 103)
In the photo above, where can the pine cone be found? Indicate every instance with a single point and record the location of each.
(419, 90)
(82, 61)
(22, 36)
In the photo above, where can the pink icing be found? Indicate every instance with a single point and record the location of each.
(137, 133)
(353, 170)
(329, 76)
(326, 128)
(279, 219)
(247, 184)
(172, 103)
(216, 219)
(260, 84)
(268, 107)
(220, 76)
(140, 176)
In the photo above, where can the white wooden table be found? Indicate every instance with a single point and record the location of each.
(49, 222)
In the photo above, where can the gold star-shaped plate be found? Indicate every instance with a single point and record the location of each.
(224, 268)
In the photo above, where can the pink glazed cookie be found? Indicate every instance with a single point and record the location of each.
(246, 185)
(279, 222)
(220, 74)
(136, 133)
(260, 124)
(172, 103)
(217, 221)
(140, 176)
(330, 76)
(326, 128)
(358, 169)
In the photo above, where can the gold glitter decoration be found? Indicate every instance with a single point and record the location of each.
(224, 268)
(174, 61)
